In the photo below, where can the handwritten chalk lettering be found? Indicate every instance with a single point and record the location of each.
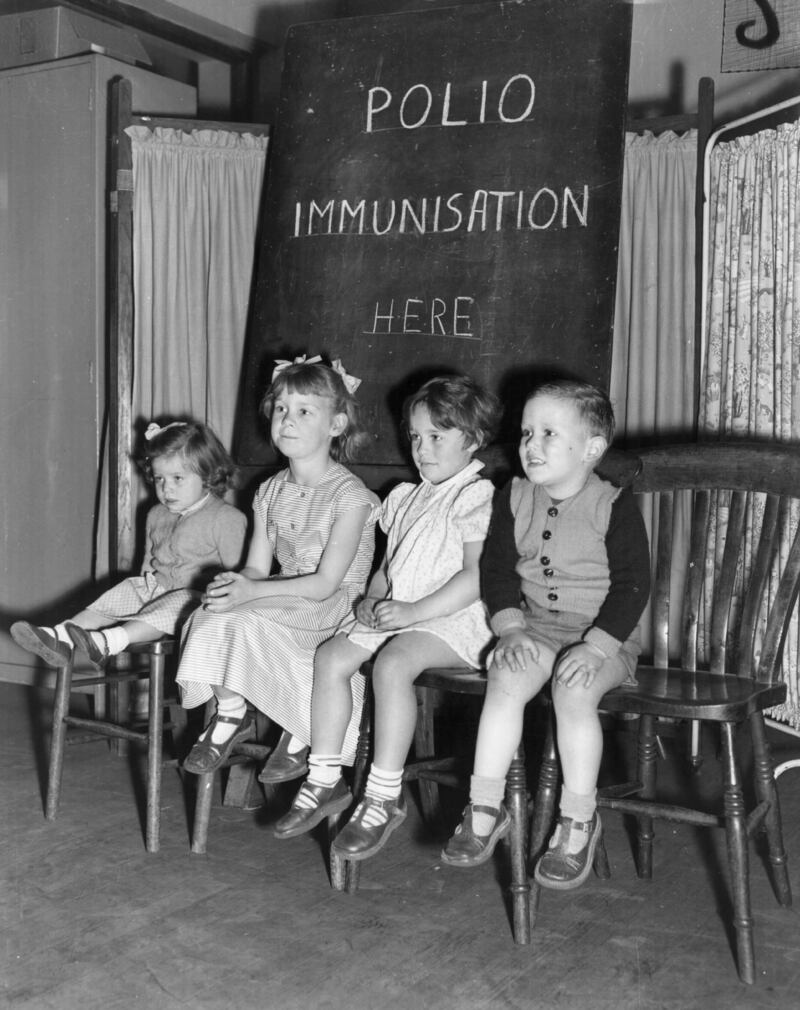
(420, 106)
(438, 317)
(484, 210)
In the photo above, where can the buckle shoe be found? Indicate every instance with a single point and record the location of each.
(328, 801)
(206, 757)
(83, 640)
(466, 847)
(560, 869)
(281, 766)
(35, 639)
(359, 841)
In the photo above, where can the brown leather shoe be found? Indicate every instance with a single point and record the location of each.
(466, 848)
(83, 640)
(35, 639)
(282, 766)
(357, 840)
(328, 800)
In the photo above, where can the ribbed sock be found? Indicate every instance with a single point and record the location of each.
(381, 785)
(485, 792)
(61, 633)
(114, 640)
(323, 770)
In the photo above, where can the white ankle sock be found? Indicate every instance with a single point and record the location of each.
(381, 785)
(485, 792)
(324, 769)
(61, 633)
(116, 639)
(293, 745)
(234, 708)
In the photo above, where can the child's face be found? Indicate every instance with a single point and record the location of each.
(303, 424)
(177, 486)
(555, 449)
(439, 453)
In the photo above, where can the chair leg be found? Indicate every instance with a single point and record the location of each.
(737, 845)
(767, 793)
(58, 740)
(155, 743)
(424, 747)
(647, 752)
(517, 803)
(363, 748)
(202, 812)
(545, 803)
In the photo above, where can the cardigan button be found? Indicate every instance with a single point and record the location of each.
(552, 597)
(552, 511)
(546, 535)
(548, 572)
(544, 560)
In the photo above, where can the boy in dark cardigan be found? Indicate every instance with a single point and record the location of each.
(565, 575)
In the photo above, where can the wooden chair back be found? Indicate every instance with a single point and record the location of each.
(734, 556)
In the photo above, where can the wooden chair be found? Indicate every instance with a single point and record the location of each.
(754, 587)
(149, 663)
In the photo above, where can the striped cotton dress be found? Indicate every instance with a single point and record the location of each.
(264, 650)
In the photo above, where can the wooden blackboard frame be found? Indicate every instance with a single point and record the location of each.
(443, 195)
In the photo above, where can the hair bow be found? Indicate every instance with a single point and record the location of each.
(351, 383)
(281, 363)
(153, 429)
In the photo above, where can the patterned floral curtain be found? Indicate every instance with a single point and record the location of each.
(751, 380)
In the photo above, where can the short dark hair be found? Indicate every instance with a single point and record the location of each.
(320, 380)
(205, 455)
(457, 401)
(592, 404)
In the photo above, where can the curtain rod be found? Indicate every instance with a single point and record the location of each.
(712, 140)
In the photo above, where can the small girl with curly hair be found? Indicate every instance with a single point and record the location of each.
(191, 535)
(255, 638)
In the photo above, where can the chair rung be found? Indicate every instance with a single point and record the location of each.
(757, 815)
(106, 729)
(662, 811)
(441, 778)
(621, 790)
(419, 769)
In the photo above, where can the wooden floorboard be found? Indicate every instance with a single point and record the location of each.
(91, 921)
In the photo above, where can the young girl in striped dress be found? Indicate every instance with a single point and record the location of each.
(255, 637)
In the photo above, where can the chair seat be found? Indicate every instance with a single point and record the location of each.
(697, 694)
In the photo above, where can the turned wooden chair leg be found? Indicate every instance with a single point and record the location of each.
(517, 804)
(767, 793)
(738, 857)
(58, 740)
(202, 812)
(546, 792)
(155, 742)
(646, 771)
(424, 747)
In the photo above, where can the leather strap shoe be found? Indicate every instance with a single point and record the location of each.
(328, 800)
(35, 639)
(466, 848)
(282, 766)
(359, 841)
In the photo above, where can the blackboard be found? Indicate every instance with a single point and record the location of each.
(443, 194)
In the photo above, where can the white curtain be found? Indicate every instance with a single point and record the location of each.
(751, 379)
(195, 215)
(653, 386)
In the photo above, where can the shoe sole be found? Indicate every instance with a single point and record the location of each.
(320, 814)
(570, 885)
(499, 833)
(24, 637)
(394, 822)
(238, 737)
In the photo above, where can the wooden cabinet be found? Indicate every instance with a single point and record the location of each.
(53, 157)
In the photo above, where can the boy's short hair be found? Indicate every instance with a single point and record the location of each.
(592, 404)
(457, 401)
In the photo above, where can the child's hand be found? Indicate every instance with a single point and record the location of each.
(515, 650)
(365, 612)
(578, 665)
(225, 591)
(392, 614)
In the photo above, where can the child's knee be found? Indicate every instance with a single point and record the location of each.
(522, 685)
(575, 700)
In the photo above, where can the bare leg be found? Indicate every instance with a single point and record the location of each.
(578, 729)
(500, 728)
(396, 668)
(336, 663)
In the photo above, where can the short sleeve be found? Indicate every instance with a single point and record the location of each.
(353, 494)
(472, 510)
(262, 501)
(394, 500)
